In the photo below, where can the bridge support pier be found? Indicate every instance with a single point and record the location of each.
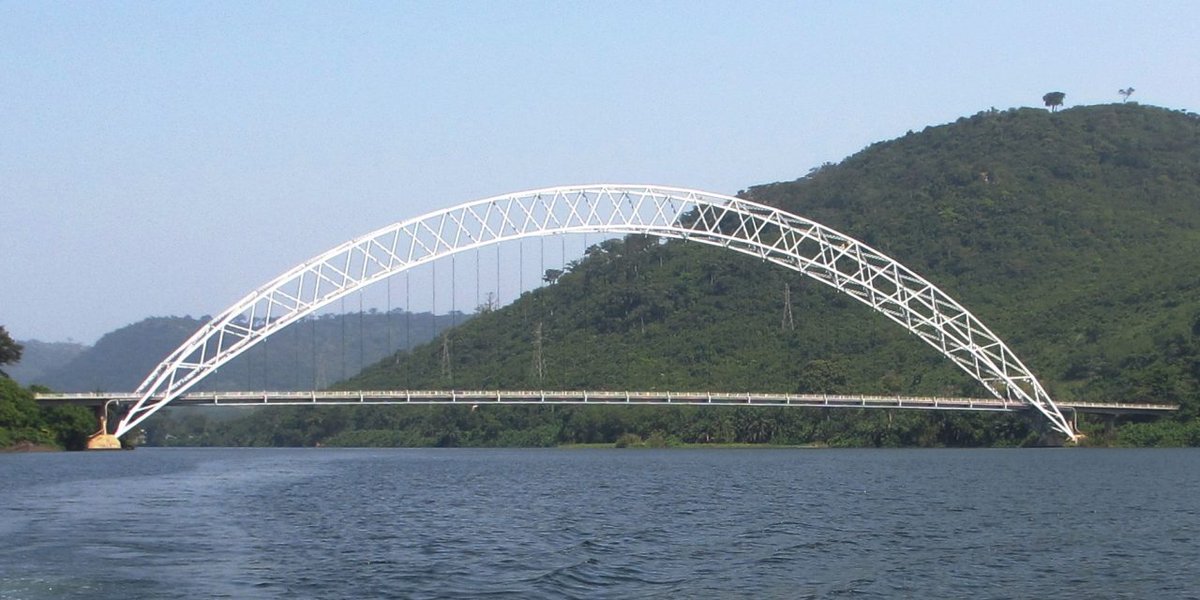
(102, 439)
(1073, 419)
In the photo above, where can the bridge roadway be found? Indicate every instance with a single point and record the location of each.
(482, 397)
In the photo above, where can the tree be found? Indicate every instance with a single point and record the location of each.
(1054, 100)
(822, 376)
(1125, 93)
(72, 425)
(10, 351)
(20, 419)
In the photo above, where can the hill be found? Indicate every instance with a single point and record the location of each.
(1073, 235)
(310, 354)
(39, 357)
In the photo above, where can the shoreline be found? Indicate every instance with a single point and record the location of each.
(25, 447)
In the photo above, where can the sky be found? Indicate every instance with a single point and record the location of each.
(166, 158)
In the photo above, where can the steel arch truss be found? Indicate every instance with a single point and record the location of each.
(774, 235)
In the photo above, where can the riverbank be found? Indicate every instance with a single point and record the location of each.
(29, 447)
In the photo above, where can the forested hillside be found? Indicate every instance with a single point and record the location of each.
(1074, 235)
(311, 354)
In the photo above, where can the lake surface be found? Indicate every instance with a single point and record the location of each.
(326, 523)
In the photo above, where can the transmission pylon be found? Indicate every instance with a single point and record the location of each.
(787, 324)
(446, 357)
(539, 362)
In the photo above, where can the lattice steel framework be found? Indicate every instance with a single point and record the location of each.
(773, 235)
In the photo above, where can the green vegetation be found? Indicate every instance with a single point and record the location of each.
(1073, 235)
(528, 426)
(22, 422)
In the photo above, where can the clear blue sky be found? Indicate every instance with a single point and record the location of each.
(165, 158)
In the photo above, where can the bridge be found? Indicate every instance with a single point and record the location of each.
(476, 398)
(773, 235)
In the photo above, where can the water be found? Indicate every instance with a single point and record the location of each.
(324, 523)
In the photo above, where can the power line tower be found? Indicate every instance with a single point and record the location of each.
(446, 357)
(539, 361)
(787, 324)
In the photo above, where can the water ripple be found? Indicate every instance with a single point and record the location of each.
(638, 524)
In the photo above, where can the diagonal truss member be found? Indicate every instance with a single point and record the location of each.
(774, 235)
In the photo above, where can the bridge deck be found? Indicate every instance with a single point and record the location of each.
(481, 397)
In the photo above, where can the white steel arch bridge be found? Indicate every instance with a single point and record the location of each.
(774, 235)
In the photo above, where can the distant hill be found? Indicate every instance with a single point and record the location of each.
(1074, 235)
(39, 357)
(311, 354)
